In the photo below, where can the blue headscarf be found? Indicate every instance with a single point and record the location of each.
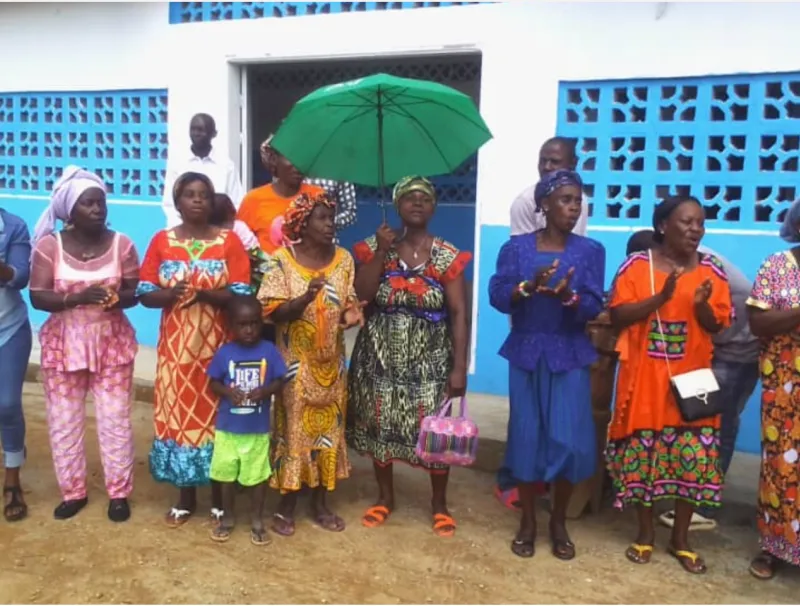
(552, 181)
(789, 230)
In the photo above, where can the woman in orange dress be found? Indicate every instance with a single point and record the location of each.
(653, 454)
(190, 272)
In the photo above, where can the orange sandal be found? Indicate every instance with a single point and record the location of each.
(444, 525)
(375, 516)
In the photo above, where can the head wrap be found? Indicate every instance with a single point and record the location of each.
(663, 210)
(66, 191)
(550, 182)
(406, 185)
(266, 151)
(297, 215)
(789, 229)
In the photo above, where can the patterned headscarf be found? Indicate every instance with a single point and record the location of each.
(407, 185)
(266, 151)
(297, 215)
(66, 191)
(789, 231)
(550, 182)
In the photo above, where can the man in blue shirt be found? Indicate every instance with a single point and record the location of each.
(15, 349)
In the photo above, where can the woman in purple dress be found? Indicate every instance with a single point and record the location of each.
(551, 284)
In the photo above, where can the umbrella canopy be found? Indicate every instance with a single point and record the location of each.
(379, 129)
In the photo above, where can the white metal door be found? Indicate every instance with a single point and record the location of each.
(245, 151)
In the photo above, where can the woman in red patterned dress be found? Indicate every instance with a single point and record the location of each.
(190, 272)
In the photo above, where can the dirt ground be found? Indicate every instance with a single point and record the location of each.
(90, 560)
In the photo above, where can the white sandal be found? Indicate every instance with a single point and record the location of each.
(698, 521)
(178, 517)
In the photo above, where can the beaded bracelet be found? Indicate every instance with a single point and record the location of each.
(522, 289)
(572, 301)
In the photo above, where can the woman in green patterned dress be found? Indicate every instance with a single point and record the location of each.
(412, 354)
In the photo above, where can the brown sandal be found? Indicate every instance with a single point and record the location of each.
(639, 554)
(764, 566)
(283, 526)
(177, 517)
(689, 560)
(16, 509)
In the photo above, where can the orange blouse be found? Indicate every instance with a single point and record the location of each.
(262, 205)
(644, 399)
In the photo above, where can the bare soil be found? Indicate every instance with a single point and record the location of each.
(90, 560)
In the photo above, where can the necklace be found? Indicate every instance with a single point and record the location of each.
(415, 251)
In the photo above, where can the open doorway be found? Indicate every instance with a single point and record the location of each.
(273, 88)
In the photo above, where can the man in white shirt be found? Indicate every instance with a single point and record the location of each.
(201, 159)
(557, 153)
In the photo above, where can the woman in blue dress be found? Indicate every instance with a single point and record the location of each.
(551, 284)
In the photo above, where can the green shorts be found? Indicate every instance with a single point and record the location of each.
(242, 458)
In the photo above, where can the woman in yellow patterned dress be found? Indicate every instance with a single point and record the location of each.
(307, 291)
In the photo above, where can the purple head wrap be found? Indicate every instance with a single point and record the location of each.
(552, 181)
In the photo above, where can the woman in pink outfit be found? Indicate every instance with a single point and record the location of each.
(85, 275)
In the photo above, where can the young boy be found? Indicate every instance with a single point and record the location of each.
(245, 374)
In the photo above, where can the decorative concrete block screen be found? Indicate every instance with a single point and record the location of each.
(190, 12)
(733, 142)
(120, 135)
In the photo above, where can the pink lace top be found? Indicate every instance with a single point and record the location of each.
(85, 337)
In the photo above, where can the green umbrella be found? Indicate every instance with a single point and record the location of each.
(379, 129)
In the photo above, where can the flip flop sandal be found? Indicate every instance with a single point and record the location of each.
(259, 537)
(508, 498)
(563, 549)
(215, 515)
(689, 560)
(178, 517)
(221, 534)
(282, 525)
(639, 554)
(444, 525)
(523, 548)
(330, 522)
(375, 516)
(16, 510)
(763, 566)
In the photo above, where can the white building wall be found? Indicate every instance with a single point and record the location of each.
(77, 46)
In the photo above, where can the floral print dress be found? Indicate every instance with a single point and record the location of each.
(308, 435)
(777, 286)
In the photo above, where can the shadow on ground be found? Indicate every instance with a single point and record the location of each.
(90, 560)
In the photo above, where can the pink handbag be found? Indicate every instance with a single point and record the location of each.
(447, 440)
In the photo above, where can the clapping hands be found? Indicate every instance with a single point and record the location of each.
(540, 283)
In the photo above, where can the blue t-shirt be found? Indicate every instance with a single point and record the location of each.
(247, 368)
